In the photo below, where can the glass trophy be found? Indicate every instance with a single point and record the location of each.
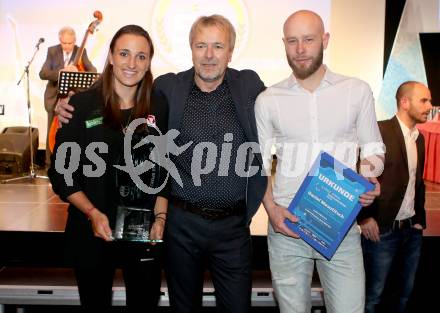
(133, 224)
(134, 213)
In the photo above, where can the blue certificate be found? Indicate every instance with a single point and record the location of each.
(327, 203)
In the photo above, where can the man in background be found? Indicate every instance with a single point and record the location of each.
(59, 57)
(392, 226)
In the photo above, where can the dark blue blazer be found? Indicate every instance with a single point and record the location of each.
(244, 86)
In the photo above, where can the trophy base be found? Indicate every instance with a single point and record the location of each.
(133, 224)
(138, 240)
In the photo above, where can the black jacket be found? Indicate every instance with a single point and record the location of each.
(86, 127)
(394, 179)
(244, 86)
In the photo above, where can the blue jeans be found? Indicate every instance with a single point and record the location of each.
(392, 263)
(343, 280)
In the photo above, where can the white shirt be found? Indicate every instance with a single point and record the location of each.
(410, 137)
(66, 58)
(338, 117)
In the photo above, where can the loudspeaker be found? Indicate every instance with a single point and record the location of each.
(15, 149)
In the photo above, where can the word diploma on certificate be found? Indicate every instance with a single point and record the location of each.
(327, 204)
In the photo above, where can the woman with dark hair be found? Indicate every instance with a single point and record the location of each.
(90, 147)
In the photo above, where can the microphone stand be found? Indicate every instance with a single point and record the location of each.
(32, 175)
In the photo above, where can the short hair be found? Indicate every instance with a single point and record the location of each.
(66, 30)
(404, 89)
(213, 20)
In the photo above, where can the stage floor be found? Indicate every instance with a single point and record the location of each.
(31, 205)
(32, 220)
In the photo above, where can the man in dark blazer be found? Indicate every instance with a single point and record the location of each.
(392, 226)
(212, 107)
(59, 57)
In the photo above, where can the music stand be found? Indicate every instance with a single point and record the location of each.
(75, 81)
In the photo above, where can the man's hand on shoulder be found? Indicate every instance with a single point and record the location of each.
(64, 110)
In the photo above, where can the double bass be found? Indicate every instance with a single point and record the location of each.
(78, 62)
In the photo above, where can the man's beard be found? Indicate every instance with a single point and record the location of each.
(415, 117)
(208, 79)
(303, 73)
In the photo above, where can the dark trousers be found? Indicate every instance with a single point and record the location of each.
(223, 246)
(390, 269)
(141, 273)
